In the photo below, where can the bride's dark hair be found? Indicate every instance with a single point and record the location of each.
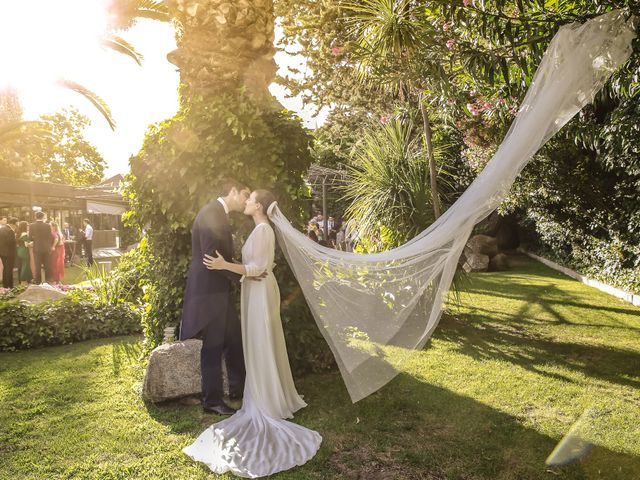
(265, 198)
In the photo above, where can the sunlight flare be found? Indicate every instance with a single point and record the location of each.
(43, 41)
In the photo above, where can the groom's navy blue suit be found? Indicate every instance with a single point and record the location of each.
(208, 309)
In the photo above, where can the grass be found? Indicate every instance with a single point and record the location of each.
(503, 379)
(73, 274)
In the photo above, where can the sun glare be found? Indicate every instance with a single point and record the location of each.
(42, 41)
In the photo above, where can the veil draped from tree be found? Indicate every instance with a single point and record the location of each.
(375, 310)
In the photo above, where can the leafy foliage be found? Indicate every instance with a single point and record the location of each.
(52, 149)
(79, 316)
(389, 184)
(581, 193)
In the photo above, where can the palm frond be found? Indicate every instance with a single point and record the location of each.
(124, 13)
(151, 9)
(120, 45)
(389, 27)
(389, 187)
(97, 102)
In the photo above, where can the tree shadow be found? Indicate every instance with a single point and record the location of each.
(414, 430)
(479, 339)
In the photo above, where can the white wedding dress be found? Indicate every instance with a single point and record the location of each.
(257, 441)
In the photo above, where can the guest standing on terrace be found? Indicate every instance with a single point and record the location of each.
(88, 241)
(57, 254)
(40, 233)
(8, 250)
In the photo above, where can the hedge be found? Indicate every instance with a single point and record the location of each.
(76, 317)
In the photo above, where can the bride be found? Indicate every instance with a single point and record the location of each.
(257, 441)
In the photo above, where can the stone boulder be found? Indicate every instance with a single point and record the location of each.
(476, 262)
(174, 372)
(483, 244)
(40, 294)
(499, 263)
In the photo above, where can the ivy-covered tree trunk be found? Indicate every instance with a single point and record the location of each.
(228, 125)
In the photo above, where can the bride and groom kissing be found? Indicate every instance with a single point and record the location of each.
(256, 440)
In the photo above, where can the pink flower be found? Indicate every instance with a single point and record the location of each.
(451, 44)
(487, 105)
(466, 3)
(335, 51)
(385, 119)
(472, 108)
(447, 26)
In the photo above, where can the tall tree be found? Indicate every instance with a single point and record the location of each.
(228, 125)
(65, 155)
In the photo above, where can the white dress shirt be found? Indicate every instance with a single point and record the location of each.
(224, 205)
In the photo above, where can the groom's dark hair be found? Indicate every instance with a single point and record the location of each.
(228, 184)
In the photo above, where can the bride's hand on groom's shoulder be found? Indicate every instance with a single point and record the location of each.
(215, 262)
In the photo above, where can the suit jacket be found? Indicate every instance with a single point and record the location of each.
(8, 243)
(40, 233)
(69, 232)
(208, 292)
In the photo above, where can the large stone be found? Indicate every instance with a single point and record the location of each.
(483, 244)
(41, 293)
(499, 263)
(476, 262)
(174, 372)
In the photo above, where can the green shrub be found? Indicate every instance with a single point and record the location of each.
(78, 316)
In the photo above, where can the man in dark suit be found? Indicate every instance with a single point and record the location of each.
(208, 310)
(69, 241)
(40, 234)
(8, 250)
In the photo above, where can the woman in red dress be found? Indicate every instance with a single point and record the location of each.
(57, 254)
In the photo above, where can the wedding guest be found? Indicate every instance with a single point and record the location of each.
(340, 238)
(8, 250)
(69, 237)
(88, 241)
(40, 233)
(311, 232)
(331, 242)
(57, 254)
(24, 253)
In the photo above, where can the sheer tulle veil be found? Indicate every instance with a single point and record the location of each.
(375, 310)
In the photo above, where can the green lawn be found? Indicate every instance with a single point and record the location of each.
(504, 378)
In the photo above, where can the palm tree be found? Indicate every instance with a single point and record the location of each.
(392, 38)
(388, 187)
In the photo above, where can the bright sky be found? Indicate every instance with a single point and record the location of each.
(55, 43)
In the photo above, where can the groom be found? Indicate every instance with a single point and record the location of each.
(209, 311)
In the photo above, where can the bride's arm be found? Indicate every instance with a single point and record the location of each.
(262, 244)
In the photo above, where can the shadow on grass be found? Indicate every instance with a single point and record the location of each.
(472, 335)
(411, 429)
(414, 430)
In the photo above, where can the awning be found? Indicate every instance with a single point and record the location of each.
(106, 208)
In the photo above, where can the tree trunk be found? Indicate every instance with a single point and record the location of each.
(435, 197)
(224, 45)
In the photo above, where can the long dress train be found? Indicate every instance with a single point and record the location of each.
(257, 441)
